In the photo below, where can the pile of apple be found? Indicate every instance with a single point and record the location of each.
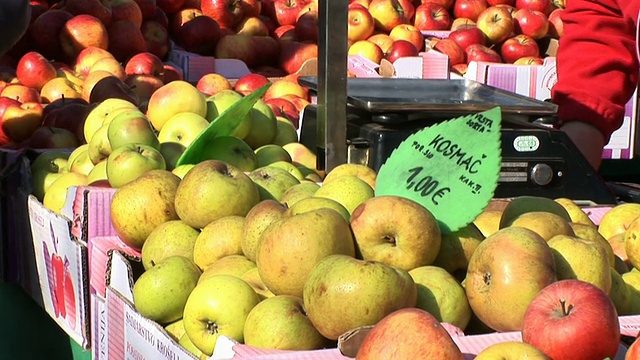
(280, 263)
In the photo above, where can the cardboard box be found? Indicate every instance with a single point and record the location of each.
(428, 65)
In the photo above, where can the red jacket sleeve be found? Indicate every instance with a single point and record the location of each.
(597, 62)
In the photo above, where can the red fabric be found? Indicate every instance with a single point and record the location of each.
(597, 62)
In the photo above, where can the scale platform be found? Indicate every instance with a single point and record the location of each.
(537, 159)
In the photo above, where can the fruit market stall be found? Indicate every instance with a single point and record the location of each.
(276, 179)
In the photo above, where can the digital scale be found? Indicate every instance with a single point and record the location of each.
(537, 159)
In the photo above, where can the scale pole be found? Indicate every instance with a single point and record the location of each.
(332, 83)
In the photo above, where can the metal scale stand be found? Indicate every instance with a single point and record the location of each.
(362, 120)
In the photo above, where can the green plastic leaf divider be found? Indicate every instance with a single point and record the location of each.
(224, 125)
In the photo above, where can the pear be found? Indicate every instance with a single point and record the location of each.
(620, 294)
(290, 247)
(298, 192)
(218, 239)
(591, 234)
(235, 265)
(161, 292)
(546, 224)
(173, 237)
(632, 242)
(145, 203)
(343, 293)
(257, 220)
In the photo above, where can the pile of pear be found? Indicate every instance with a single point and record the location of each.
(295, 268)
(122, 142)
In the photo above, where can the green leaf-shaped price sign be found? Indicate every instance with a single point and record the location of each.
(451, 168)
(224, 125)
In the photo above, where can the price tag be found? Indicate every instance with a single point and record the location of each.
(451, 168)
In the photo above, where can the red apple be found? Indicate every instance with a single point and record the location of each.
(81, 32)
(45, 31)
(565, 319)
(285, 33)
(382, 40)
(295, 53)
(286, 11)
(112, 87)
(161, 17)
(306, 26)
(60, 103)
(469, 9)
(212, 83)
(452, 49)
(249, 83)
(34, 70)
(478, 52)
(460, 69)
(501, 2)
(171, 73)
(512, 9)
(284, 108)
(246, 48)
(156, 38)
(95, 8)
(125, 40)
(529, 60)
(469, 36)
(170, 7)
(125, 10)
(556, 27)
(544, 6)
(199, 35)
(23, 94)
(403, 334)
(297, 101)
(88, 57)
(70, 117)
(227, 13)
(408, 9)
(430, 16)
(517, 47)
(253, 25)
(633, 352)
(269, 71)
(268, 9)
(251, 8)
(52, 138)
(409, 33)
(19, 122)
(178, 19)
(144, 63)
(531, 22)
(270, 23)
(4, 104)
(400, 48)
(147, 8)
(462, 23)
(387, 14)
(496, 23)
(360, 23)
(143, 85)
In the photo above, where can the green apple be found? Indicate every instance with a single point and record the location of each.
(97, 115)
(232, 150)
(74, 154)
(56, 195)
(132, 127)
(298, 192)
(441, 295)
(130, 161)
(161, 292)
(456, 249)
(285, 132)
(219, 238)
(313, 203)
(82, 163)
(98, 173)
(221, 190)
(186, 343)
(221, 101)
(171, 152)
(45, 169)
(142, 205)
(270, 153)
(292, 169)
(509, 350)
(263, 125)
(343, 293)
(99, 146)
(257, 220)
(580, 259)
(218, 306)
(183, 128)
(396, 231)
(235, 265)
(289, 248)
(361, 171)
(348, 190)
(173, 237)
(272, 182)
(280, 322)
(182, 170)
(175, 329)
(252, 277)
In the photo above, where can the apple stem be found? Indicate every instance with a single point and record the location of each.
(153, 263)
(566, 309)
(212, 327)
(390, 239)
